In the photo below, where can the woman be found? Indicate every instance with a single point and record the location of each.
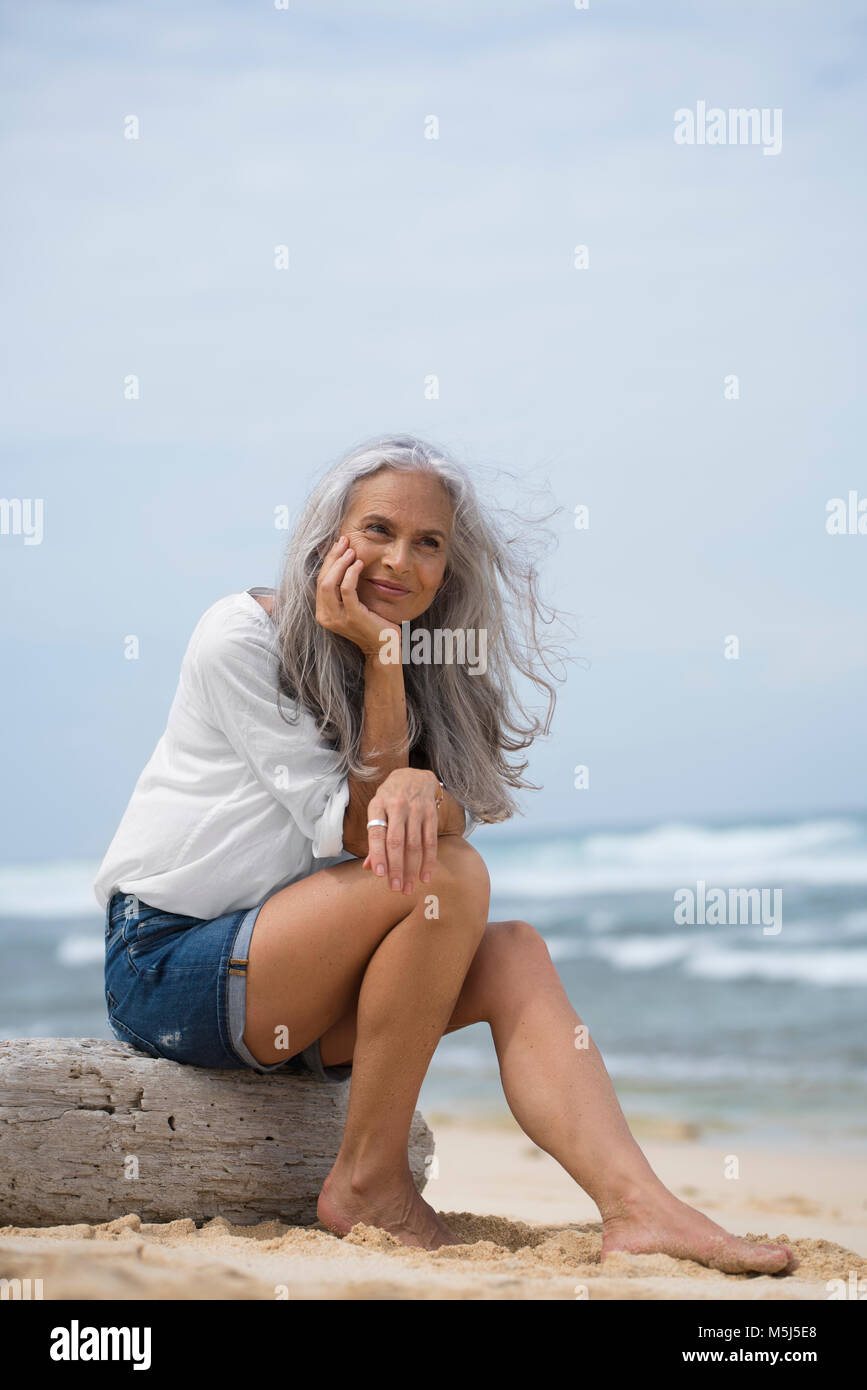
(292, 885)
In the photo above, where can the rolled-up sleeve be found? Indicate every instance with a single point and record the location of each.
(235, 672)
(326, 829)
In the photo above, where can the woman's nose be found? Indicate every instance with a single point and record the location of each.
(398, 556)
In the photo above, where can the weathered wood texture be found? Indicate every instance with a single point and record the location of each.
(91, 1130)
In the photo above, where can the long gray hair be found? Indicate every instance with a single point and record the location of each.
(461, 725)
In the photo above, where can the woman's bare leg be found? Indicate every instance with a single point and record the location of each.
(563, 1098)
(342, 937)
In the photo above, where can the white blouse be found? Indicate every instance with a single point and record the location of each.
(235, 802)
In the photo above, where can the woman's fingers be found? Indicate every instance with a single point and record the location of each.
(386, 842)
(348, 585)
(376, 850)
(418, 861)
(404, 851)
(331, 579)
(329, 607)
(417, 848)
(329, 565)
(395, 843)
(363, 626)
(338, 605)
(387, 847)
(429, 846)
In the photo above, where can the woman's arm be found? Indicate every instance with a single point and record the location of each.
(404, 796)
(385, 725)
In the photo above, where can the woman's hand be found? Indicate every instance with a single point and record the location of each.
(338, 606)
(407, 847)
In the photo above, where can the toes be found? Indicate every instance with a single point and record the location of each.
(770, 1259)
(792, 1261)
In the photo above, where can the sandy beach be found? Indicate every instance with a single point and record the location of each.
(528, 1232)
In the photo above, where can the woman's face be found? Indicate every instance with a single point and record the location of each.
(399, 525)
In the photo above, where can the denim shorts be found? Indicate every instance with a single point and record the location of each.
(175, 987)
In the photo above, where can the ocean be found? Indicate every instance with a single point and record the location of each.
(752, 1025)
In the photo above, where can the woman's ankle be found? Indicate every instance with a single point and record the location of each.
(371, 1172)
(629, 1198)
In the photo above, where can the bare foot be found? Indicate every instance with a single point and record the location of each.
(665, 1225)
(398, 1209)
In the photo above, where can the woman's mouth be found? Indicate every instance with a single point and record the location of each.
(387, 589)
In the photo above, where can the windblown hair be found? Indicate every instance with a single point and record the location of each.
(461, 725)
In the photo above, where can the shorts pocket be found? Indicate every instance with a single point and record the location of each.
(149, 943)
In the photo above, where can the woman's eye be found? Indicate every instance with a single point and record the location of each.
(427, 540)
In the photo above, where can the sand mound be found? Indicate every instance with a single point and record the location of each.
(498, 1258)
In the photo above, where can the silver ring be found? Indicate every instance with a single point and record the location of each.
(376, 822)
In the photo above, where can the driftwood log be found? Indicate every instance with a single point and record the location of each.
(91, 1130)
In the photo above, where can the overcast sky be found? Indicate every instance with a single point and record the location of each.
(410, 257)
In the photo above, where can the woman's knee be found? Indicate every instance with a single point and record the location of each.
(459, 864)
(512, 950)
(506, 965)
(516, 938)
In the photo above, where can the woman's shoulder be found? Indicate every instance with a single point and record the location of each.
(232, 621)
(233, 662)
(250, 607)
(265, 598)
